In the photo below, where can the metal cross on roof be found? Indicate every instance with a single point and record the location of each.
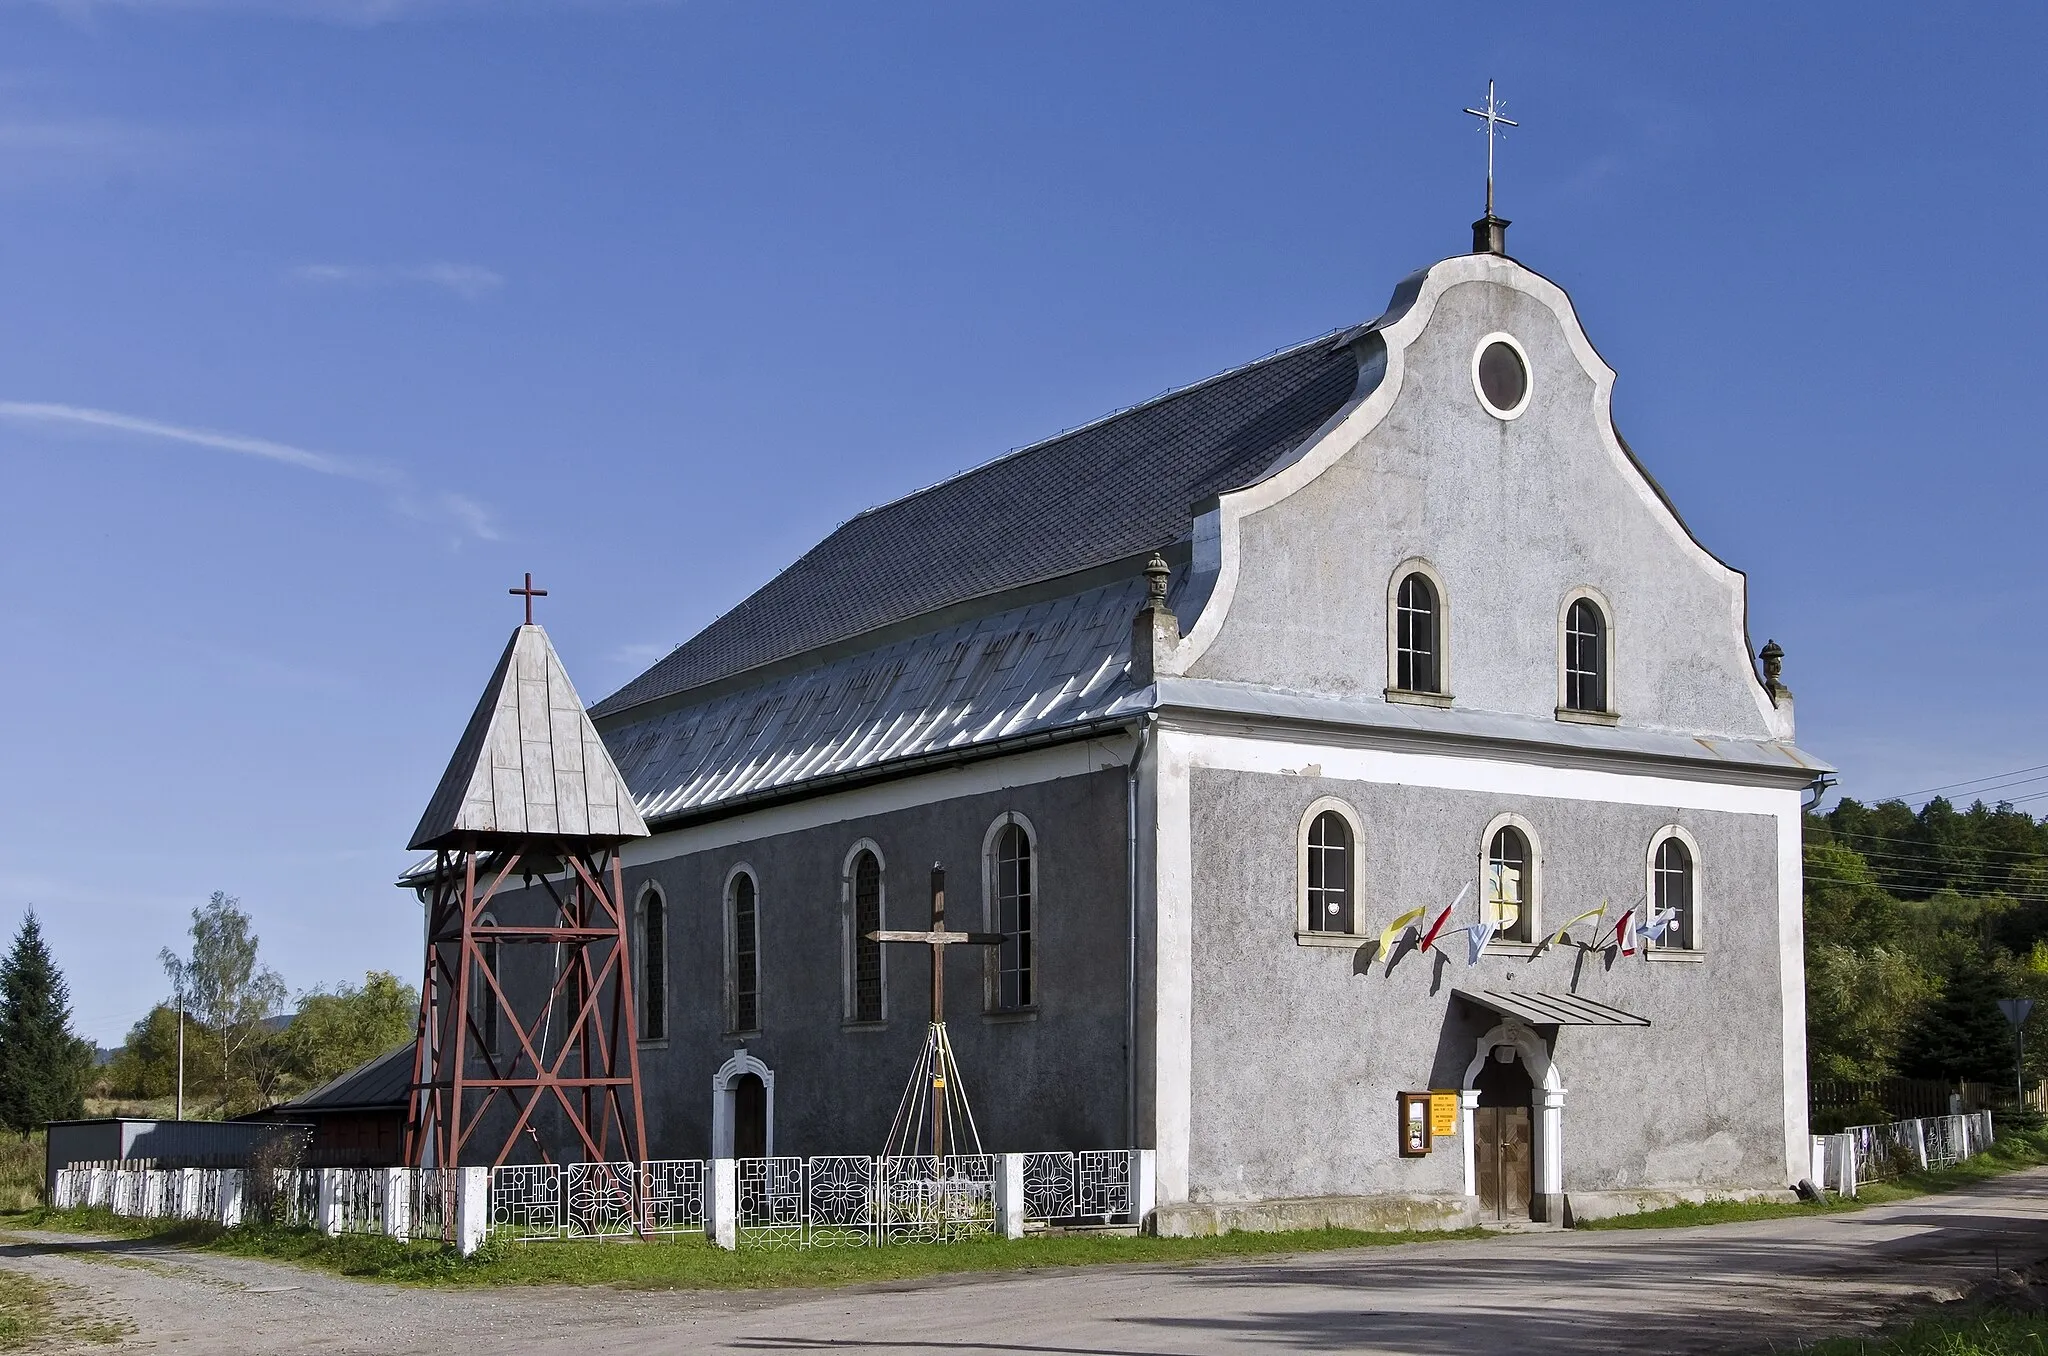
(1491, 116)
(531, 593)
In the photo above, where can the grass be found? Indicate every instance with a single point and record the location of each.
(689, 1263)
(1979, 1330)
(30, 1315)
(2008, 1153)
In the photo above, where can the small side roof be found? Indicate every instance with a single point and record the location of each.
(1550, 1009)
(529, 762)
(381, 1082)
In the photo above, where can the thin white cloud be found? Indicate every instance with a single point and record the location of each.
(471, 282)
(471, 516)
(360, 12)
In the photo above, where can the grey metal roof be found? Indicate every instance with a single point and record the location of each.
(1104, 492)
(1550, 1009)
(382, 1082)
(529, 761)
(1032, 670)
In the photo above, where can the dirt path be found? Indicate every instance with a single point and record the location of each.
(1728, 1288)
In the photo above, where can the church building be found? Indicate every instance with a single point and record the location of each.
(1359, 724)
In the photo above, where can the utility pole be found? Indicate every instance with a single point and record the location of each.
(181, 1052)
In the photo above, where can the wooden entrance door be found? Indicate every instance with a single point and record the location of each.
(1503, 1146)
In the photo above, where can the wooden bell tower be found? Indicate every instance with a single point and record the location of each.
(526, 1006)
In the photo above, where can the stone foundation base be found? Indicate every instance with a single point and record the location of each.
(1583, 1205)
(1388, 1214)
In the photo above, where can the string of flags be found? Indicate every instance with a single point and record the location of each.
(1625, 933)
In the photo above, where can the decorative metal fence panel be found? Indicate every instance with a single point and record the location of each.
(599, 1199)
(1049, 1187)
(1102, 1185)
(672, 1195)
(938, 1200)
(526, 1200)
(358, 1200)
(430, 1204)
(839, 1197)
(772, 1204)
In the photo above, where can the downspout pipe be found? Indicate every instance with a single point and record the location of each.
(1131, 771)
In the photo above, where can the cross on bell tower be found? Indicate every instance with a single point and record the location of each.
(1490, 233)
(531, 593)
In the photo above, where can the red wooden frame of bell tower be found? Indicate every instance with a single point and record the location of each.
(589, 1063)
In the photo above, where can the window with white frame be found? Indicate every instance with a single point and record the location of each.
(1585, 657)
(743, 955)
(653, 965)
(1510, 885)
(1674, 890)
(1417, 666)
(1012, 911)
(1329, 875)
(864, 954)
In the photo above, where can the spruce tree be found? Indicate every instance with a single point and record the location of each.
(42, 1065)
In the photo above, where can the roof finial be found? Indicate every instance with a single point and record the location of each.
(1490, 233)
(1157, 572)
(531, 593)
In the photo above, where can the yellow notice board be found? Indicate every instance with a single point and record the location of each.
(1443, 1114)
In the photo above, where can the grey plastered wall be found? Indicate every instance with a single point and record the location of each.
(1299, 1051)
(1513, 514)
(1053, 1080)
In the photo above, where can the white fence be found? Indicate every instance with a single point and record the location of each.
(1871, 1153)
(749, 1202)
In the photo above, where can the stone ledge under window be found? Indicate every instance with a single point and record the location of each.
(1010, 1015)
(1402, 694)
(1588, 717)
(1350, 940)
(1518, 950)
(1656, 953)
(652, 1042)
(863, 1026)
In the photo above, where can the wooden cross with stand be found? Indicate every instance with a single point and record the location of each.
(936, 1061)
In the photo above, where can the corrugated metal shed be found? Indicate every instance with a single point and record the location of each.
(529, 761)
(169, 1144)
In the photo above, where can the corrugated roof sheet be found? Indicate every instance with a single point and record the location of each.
(529, 761)
(1550, 1009)
(1102, 493)
(1030, 670)
(383, 1081)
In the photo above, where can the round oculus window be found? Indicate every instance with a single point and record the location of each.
(1501, 374)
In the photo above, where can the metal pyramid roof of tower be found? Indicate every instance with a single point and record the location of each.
(529, 763)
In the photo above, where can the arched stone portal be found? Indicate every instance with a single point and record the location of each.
(1546, 1100)
(743, 1108)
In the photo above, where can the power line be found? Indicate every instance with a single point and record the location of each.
(1996, 776)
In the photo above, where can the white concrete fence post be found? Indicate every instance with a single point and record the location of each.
(327, 1200)
(472, 1209)
(1010, 1193)
(398, 1202)
(1144, 1186)
(1920, 1142)
(1844, 1173)
(231, 1187)
(722, 1209)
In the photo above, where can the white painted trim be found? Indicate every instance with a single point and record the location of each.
(1419, 565)
(1546, 1101)
(1078, 759)
(1216, 533)
(847, 924)
(1792, 978)
(729, 906)
(651, 889)
(1173, 965)
(1532, 888)
(723, 1101)
(991, 970)
(1607, 629)
(1528, 375)
(1697, 926)
(1308, 817)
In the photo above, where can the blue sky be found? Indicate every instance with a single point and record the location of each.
(320, 322)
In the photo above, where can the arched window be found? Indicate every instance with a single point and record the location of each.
(1585, 657)
(864, 888)
(483, 1001)
(1416, 632)
(744, 957)
(1013, 910)
(1511, 885)
(1672, 888)
(653, 966)
(1329, 874)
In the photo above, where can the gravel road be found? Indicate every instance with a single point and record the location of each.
(1744, 1287)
